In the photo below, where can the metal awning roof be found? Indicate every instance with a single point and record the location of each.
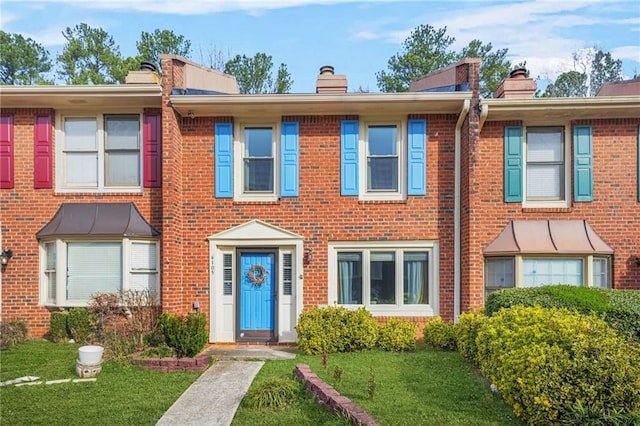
(98, 220)
(548, 237)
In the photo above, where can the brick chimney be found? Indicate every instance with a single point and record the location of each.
(517, 86)
(328, 82)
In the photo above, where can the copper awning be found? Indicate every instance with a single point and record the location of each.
(98, 220)
(548, 237)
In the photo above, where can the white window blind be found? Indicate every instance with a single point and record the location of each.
(93, 268)
(81, 151)
(143, 267)
(537, 272)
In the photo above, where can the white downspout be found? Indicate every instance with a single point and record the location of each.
(456, 211)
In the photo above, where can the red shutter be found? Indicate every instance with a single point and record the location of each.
(6, 151)
(42, 152)
(152, 151)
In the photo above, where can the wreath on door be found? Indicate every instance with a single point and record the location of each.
(257, 274)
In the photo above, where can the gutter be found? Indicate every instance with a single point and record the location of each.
(456, 211)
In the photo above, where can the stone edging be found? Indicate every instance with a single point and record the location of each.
(328, 396)
(199, 363)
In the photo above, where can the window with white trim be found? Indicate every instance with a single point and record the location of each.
(534, 271)
(391, 278)
(100, 152)
(92, 267)
(382, 171)
(256, 171)
(546, 167)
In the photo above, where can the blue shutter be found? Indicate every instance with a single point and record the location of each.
(512, 164)
(582, 164)
(417, 173)
(349, 157)
(224, 160)
(289, 159)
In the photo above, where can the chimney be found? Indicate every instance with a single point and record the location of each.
(146, 75)
(328, 82)
(517, 86)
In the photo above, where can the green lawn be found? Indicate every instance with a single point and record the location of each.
(423, 387)
(120, 396)
(418, 388)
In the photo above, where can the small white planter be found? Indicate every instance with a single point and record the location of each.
(90, 355)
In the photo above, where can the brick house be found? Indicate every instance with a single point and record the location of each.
(253, 208)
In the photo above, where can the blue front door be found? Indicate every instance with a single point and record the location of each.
(256, 304)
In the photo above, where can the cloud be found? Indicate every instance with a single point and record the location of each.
(200, 7)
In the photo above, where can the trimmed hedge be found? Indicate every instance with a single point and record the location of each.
(336, 329)
(558, 366)
(186, 334)
(619, 308)
(439, 334)
(466, 332)
(397, 335)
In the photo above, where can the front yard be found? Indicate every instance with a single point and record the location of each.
(425, 386)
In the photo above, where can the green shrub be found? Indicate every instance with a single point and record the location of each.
(12, 333)
(548, 363)
(620, 308)
(336, 329)
(440, 334)
(186, 335)
(397, 335)
(58, 329)
(81, 325)
(466, 331)
(277, 392)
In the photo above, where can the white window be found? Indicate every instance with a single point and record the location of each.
(382, 171)
(100, 153)
(93, 267)
(534, 271)
(390, 278)
(256, 163)
(546, 167)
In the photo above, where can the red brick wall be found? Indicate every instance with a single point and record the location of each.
(614, 213)
(320, 214)
(24, 211)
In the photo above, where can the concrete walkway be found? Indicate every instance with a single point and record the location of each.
(214, 397)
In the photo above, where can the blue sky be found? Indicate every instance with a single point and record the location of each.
(356, 37)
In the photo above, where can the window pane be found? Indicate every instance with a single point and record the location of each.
(349, 278)
(258, 142)
(50, 270)
(50, 249)
(537, 272)
(258, 175)
(93, 268)
(122, 132)
(143, 256)
(499, 272)
(383, 278)
(544, 181)
(82, 169)
(416, 278)
(143, 282)
(382, 140)
(544, 145)
(123, 168)
(382, 173)
(601, 275)
(80, 134)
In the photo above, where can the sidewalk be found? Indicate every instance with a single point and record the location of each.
(214, 397)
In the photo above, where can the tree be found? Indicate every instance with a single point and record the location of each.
(571, 84)
(427, 50)
(90, 56)
(22, 60)
(151, 46)
(591, 69)
(494, 68)
(254, 74)
(213, 57)
(604, 69)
